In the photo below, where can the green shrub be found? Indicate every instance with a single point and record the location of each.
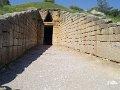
(114, 13)
(114, 19)
(94, 8)
(75, 8)
(51, 1)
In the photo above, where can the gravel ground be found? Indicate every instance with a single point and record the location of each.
(60, 68)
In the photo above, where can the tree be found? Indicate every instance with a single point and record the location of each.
(51, 1)
(4, 2)
(114, 13)
(94, 8)
(103, 6)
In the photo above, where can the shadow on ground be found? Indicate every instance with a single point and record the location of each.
(18, 66)
(5, 88)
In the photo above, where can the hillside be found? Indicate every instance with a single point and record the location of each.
(31, 5)
(43, 5)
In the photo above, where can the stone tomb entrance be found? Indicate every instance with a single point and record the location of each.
(48, 33)
(48, 29)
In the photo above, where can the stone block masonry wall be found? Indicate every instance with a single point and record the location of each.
(56, 28)
(90, 34)
(18, 33)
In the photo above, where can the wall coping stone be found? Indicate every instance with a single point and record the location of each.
(15, 13)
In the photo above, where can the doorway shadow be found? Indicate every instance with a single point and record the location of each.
(18, 66)
(48, 34)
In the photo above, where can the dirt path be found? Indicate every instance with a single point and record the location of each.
(60, 68)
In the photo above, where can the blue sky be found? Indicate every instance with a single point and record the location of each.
(85, 4)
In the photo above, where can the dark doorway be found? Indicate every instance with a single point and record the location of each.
(48, 32)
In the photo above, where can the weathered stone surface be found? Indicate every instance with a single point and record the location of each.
(109, 50)
(90, 34)
(18, 33)
(86, 33)
(98, 13)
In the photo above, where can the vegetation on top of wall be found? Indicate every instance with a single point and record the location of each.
(75, 9)
(52, 1)
(114, 14)
(114, 19)
(108, 11)
(30, 5)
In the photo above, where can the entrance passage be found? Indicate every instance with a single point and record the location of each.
(48, 32)
(60, 68)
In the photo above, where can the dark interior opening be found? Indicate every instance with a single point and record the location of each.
(48, 32)
(48, 18)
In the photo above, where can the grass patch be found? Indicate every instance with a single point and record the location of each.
(27, 6)
(44, 5)
(114, 19)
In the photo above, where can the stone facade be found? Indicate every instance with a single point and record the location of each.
(21, 31)
(55, 13)
(85, 33)
(18, 33)
(90, 34)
